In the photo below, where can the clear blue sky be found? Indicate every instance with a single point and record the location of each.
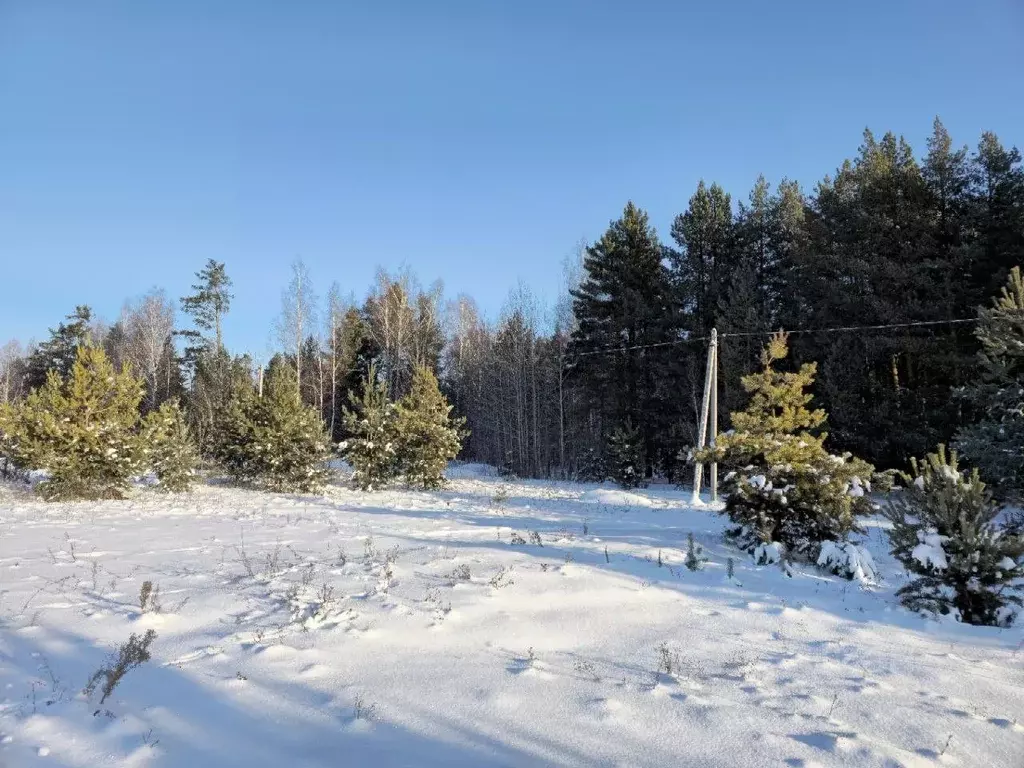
(473, 141)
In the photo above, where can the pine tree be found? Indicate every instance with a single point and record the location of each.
(946, 533)
(702, 265)
(274, 441)
(783, 487)
(625, 456)
(428, 438)
(210, 302)
(209, 367)
(623, 306)
(872, 258)
(996, 443)
(80, 429)
(60, 351)
(372, 444)
(167, 448)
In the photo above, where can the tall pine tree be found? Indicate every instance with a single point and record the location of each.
(624, 306)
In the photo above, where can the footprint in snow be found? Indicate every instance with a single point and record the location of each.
(828, 741)
(1003, 722)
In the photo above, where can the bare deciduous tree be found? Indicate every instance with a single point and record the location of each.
(12, 371)
(147, 325)
(298, 315)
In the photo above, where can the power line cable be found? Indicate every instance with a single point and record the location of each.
(797, 331)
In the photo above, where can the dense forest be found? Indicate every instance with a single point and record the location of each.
(878, 273)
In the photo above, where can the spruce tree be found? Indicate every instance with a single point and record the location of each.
(995, 444)
(274, 441)
(371, 448)
(428, 438)
(946, 532)
(80, 429)
(783, 487)
(167, 448)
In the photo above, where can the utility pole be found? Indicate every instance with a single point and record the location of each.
(709, 412)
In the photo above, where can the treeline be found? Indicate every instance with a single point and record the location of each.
(889, 239)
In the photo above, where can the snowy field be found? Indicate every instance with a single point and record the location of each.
(490, 624)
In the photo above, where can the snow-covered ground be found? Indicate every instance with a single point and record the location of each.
(492, 623)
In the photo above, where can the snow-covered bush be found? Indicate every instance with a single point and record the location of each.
(695, 557)
(625, 456)
(274, 441)
(428, 438)
(372, 446)
(81, 430)
(847, 559)
(785, 491)
(946, 532)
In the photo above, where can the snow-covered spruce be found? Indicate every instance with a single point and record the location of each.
(946, 531)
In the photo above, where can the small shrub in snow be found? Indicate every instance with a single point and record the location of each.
(500, 496)
(785, 491)
(946, 533)
(669, 663)
(460, 573)
(129, 656)
(695, 557)
(846, 559)
(372, 446)
(503, 578)
(149, 598)
(625, 456)
(535, 539)
(516, 539)
(363, 710)
(768, 553)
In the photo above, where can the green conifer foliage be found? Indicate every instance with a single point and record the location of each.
(946, 533)
(167, 448)
(625, 456)
(372, 446)
(428, 438)
(783, 486)
(80, 429)
(274, 441)
(996, 442)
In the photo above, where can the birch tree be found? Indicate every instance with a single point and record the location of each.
(298, 316)
(147, 325)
